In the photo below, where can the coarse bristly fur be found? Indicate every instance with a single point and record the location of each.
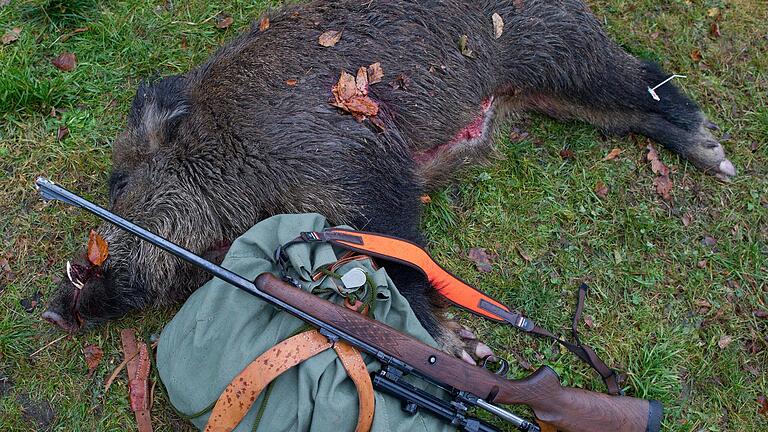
(208, 154)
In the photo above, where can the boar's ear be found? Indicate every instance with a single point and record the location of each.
(156, 112)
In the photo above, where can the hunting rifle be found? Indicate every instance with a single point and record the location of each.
(566, 409)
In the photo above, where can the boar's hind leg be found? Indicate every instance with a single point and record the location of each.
(580, 73)
(621, 103)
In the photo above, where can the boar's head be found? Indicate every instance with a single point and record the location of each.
(162, 180)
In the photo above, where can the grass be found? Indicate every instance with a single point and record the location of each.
(661, 299)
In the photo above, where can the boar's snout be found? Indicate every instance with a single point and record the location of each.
(54, 318)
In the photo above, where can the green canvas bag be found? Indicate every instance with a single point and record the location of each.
(221, 329)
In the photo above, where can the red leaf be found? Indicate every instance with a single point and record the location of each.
(481, 259)
(93, 355)
(263, 23)
(65, 62)
(329, 38)
(362, 105)
(98, 250)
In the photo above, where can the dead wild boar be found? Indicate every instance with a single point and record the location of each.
(207, 154)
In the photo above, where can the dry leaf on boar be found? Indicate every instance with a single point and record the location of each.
(66, 61)
(329, 38)
(481, 259)
(291, 82)
(498, 25)
(93, 355)
(98, 250)
(361, 81)
(464, 47)
(263, 23)
(375, 73)
(351, 95)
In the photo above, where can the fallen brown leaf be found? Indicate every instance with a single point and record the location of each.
(713, 12)
(291, 82)
(702, 264)
(588, 321)
(97, 249)
(62, 133)
(708, 240)
(263, 23)
(375, 73)
(696, 55)
(11, 36)
(763, 405)
(714, 30)
(224, 21)
(687, 219)
(567, 154)
(329, 38)
(724, 341)
(522, 253)
(481, 259)
(613, 154)
(66, 61)
(184, 43)
(663, 187)
(67, 36)
(93, 355)
(498, 25)
(601, 190)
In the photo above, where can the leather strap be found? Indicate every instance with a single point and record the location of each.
(456, 290)
(242, 392)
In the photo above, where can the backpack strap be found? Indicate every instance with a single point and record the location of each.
(456, 290)
(245, 388)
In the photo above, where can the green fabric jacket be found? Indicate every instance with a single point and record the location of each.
(221, 329)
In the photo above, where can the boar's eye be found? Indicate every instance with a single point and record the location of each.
(117, 181)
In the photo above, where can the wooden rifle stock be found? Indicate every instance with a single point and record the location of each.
(567, 409)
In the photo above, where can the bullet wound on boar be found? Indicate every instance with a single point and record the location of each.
(207, 154)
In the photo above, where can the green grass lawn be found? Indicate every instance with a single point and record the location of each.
(680, 308)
